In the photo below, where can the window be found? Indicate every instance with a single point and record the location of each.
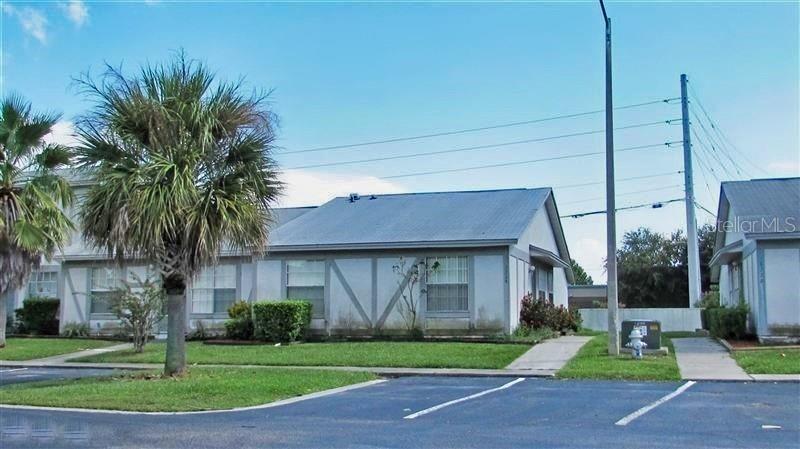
(736, 283)
(543, 275)
(103, 282)
(305, 279)
(43, 284)
(214, 289)
(447, 284)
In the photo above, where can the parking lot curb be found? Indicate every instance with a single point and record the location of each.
(380, 371)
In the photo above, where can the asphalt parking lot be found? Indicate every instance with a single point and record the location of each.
(10, 376)
(446, 412)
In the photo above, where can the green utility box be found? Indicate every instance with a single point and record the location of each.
(650, 329)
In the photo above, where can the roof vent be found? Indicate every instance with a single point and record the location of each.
(354, 197)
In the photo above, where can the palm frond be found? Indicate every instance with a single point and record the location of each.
(182, 164)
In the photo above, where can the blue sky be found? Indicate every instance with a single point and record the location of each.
(352, 72)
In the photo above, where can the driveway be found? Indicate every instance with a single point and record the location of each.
(453, 412)
(10, 376)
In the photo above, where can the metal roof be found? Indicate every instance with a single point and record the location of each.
(764, 201)
(414, 219)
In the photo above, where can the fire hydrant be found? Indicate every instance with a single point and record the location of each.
(636, 344)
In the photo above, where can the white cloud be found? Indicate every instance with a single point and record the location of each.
(787, 167)
(31, 19)
(312, 188)
(63, 133)
(76, 11)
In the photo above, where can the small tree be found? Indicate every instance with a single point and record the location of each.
(408, 308)
(139, 306)
(581, 277)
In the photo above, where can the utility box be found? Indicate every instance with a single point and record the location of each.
(650, 329)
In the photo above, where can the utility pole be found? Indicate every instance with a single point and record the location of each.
(693, 253)
(611, 208)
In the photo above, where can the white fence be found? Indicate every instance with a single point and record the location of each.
(672, 320)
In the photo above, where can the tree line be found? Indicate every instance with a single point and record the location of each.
(652, 268)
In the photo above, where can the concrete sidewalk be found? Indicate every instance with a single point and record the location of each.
(705, 359)
(56, 359)
(550, 356)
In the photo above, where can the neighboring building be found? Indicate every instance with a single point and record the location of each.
(491, 247)
(757, 253)
(587, 296)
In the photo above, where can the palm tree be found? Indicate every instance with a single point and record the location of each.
(183, 169)
(33, 196)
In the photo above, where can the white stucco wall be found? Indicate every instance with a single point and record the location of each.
(750, 289)
(672, 319)
(540, 234)
(782, 288)
(489, 292)
(74, 299)
(357, 274)
(268, 280)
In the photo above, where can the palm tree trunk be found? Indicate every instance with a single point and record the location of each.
(3, 312)
(175, 363)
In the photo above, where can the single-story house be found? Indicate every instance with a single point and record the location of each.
(757, 253)
(489, 249)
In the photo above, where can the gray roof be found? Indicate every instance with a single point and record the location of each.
(414, 219)
(764, 201)
(284, 215)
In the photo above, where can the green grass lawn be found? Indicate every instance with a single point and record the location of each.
(200, 389)
(37, 348)
(769, 361)
(593, 362)
(382, 354)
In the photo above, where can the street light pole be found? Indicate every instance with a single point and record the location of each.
(611, 214)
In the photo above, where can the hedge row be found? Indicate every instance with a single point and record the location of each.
(38, 316)
(278, 321)
(724, 322)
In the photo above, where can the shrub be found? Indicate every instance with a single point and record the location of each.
(139, 306)
(710, 300)
(75, 330)
(281, 321)
(38, 316)
(240, 324)
(538, 314)
(727, 322)
(524, 333)
(200, 332)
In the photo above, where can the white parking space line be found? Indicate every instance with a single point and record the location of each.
(12, 370)
(466, 398)
(626, 420)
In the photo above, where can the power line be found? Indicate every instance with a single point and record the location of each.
(476, 147)
(705, 209)
(471, 130)
(703, 172)
(530, 161)
(721, 134)
(655, 205)
(635, 192)
(718, 147)
(632, 178)
(712, 154)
